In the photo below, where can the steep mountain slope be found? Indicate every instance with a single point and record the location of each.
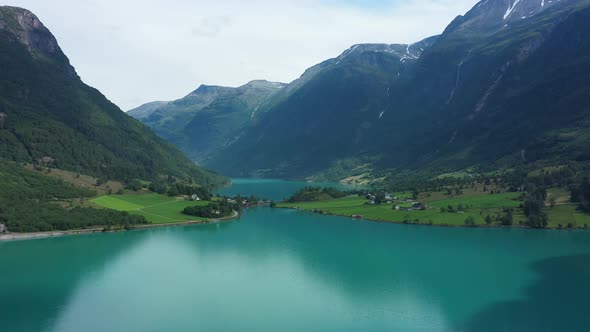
(328, 114)
(145, 110)
(168, 119)
(49, 116)
(504, 84)
(492, 82)
(209, 118)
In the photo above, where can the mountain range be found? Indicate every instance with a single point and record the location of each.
(209, 118)
(505, 84)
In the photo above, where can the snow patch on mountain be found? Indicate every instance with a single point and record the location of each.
(347, 53)
(511, 9)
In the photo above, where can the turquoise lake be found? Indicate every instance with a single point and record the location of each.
(285, 270)
(274, 189)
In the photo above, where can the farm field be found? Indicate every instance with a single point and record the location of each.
(159, 209)
(567, 214)
(474, 205)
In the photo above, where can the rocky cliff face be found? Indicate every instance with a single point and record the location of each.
(489, 16)
(28, 30)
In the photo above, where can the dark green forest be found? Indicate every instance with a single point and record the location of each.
(217, 209)
(31, 202)
(310, 194)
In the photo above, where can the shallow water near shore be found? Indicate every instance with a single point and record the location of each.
(286, 270)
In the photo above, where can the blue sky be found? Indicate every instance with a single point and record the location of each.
(136, 51)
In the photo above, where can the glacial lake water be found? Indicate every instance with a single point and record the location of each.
(285, 270)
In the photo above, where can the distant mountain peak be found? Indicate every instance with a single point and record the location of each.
(28, 29)
(488, 16)
(265, 84)
(204, 88)
(402, 51)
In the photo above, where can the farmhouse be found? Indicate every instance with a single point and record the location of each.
(3, 228)
(415, 207)
(194, 197)
(418, 206)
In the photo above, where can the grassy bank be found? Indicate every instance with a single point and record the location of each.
(158, 209)
(475, 205)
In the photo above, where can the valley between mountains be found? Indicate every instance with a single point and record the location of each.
(496, 104)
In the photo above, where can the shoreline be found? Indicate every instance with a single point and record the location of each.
(433, 224)
(94, 230)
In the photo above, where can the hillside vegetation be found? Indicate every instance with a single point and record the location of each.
(62, 141)
(491, 92)
(49, 116)
(33, 202)
(209, 118)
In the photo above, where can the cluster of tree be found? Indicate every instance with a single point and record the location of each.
(215, 209)
(30, 203)
(569, 174)
(534, 206)
(177, 188)
(44, 216)
(563, 176)
(451, 209)
(581, 195)
(470, 221)
(504, 219)
(507, 219)
(310, 194)
(380, 198)
(429, 181)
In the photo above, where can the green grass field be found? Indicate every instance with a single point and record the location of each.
(159, 209)
(476, 205)
(567, 213)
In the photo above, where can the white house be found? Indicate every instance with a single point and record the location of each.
(194, 197)
(3, 228)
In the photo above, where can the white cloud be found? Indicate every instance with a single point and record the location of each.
(211, 26)
(140, 51)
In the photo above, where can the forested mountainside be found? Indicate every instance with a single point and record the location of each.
(505, 84)
(209, 118)
(51, 121)
(49, 116)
